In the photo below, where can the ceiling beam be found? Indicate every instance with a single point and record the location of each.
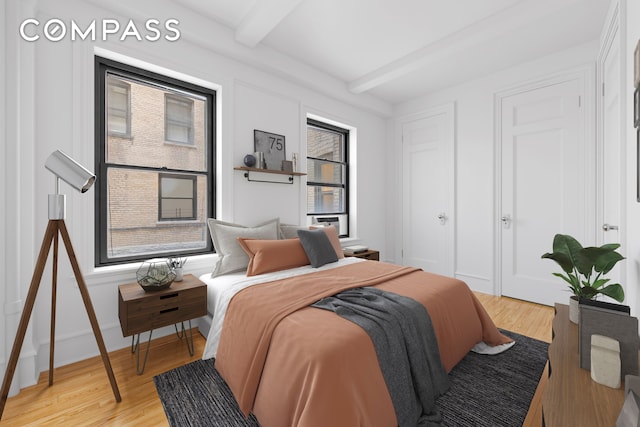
(493, 26)
(262, 19)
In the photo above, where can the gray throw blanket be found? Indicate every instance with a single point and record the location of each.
(406, 346)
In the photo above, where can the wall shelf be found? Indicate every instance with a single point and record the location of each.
(248, 171)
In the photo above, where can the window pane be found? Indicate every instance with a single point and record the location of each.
(321, 200)
(118, 106)
(176, 208)
(117, 124)
(118, 95)
(179, 119)
(325, 144)
(133, 228)
(325, 172)
(176, 187)
(178, 133)
(176, 197)
(147, 144)
(179, 109)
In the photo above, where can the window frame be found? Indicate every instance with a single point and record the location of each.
(345, 186)
(101, 67)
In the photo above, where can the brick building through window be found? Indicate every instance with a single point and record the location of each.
(155, 161)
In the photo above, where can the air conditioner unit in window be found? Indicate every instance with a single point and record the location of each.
(339, 221)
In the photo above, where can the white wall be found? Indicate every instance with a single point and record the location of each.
(48, 104)
(3, 207)
(475, 216)
(630, 36)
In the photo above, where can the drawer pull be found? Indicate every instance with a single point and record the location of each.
(169, 296)
(168, 310)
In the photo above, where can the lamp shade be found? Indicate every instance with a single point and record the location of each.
(70, 171)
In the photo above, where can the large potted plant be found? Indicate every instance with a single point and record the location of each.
(584, 270)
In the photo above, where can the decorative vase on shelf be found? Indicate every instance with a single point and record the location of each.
(249, 160)
(574, 309)
(178, 272)
(155, 275)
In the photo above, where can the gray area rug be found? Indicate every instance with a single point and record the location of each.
(485, 390)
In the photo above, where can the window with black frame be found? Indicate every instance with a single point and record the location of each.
(155, 148)
(327, 174)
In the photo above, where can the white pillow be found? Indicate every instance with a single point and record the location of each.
(231, 256)
(290, 231)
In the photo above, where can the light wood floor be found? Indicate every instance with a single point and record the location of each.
(81, 393)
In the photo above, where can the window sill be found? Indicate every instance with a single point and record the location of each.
(126, 273)
(190, 145)
(189, 221)
(121, 135)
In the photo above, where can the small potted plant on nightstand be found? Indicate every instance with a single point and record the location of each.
(584, 270)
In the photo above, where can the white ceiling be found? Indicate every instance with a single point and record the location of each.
(396, 50)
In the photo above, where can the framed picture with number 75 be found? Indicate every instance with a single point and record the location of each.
(272, 146)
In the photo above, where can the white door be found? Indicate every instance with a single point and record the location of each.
(543, 186)
(609, 197)
(428, 174)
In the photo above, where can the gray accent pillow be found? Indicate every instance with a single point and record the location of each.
(318, 247)
(231, 256)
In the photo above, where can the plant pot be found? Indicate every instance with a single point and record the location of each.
(574, 309)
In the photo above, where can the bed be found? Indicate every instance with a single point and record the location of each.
(292, 364)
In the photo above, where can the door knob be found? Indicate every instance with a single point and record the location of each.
(607, 227)
(506, 221)
(442, 217)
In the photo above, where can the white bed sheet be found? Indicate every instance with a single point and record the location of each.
(221, 289)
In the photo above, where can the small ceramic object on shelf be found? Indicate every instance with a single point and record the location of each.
(177, 264)
(178, 272)
(250, 160)
(259, 156)
(605, 361)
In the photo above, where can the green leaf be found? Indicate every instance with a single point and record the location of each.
(587, 258)
(572, 280)
(588, 292)
(563, 260)
(611, 246)
(607, 261)
(565, 249)
(599, 283)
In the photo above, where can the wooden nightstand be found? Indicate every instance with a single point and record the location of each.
(370, 255)
(141, 311)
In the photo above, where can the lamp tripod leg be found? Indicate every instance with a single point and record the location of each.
(52, 229)
(89, 307)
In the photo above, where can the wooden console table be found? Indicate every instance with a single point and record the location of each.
(571, 397)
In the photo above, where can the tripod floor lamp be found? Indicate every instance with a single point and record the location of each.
(77, 176)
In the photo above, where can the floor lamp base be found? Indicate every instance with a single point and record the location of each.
(54, 227)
